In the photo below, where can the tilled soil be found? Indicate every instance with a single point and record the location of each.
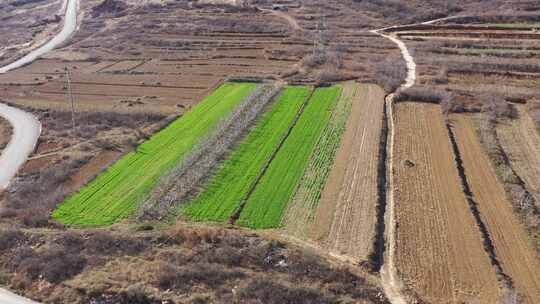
(509, 238)
(346, 217)
(521, 142)
(439, 251)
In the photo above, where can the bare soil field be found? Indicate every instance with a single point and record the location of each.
(346, 218)
(439, 252)
(517, 258)
(521, 142)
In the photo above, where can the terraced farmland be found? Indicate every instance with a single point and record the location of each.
(439, 246)
(300, 213)
(517, 257)
(265, 206)
(346, 217)
(116, 193)
(235, 178)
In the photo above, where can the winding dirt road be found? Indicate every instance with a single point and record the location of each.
(391, 282)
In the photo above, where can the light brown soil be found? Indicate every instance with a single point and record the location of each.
(95, 166)
(521, 142)
(346, 217)
(439, 251)
(517, 258)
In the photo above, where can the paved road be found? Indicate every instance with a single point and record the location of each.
(26, 131)
(70, 25)
(7, 297)
(26, 128)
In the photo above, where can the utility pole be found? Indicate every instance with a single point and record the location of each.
(71, 99)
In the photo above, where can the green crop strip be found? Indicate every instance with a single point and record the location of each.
(235, 178)
(116, 193)
(306, 197)
(265, 206)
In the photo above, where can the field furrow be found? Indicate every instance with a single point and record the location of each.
(517, 258)
(222, 197)
(346, 216)
(439, 251)
(265, 206)
(116, 193)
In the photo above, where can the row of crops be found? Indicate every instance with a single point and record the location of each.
(117, 192)
(254, 186)
(300, 131)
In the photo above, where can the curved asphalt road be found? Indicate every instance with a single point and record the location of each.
(26, 128)
(70, 24)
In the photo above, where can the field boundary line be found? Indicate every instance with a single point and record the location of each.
(487, 241)
(376, 258)
(236, 215)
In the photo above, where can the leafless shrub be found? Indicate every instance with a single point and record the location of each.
(51, 263)
(496, 107)
(533, 108)
(34, 198)
(11, 238)
(187, 276)
(183, 179)
(330, 75)
(422, 94)
(390, 73)
(271, 292)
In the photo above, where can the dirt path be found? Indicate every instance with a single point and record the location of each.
(521, 142)
(391, 281)
(509, 238)
(440, 255)
(347, 214)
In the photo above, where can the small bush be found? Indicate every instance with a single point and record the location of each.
(391, 73)
(270, 292)
(185, 277)
(11, 238)
(53, 264)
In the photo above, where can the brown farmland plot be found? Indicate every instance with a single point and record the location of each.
(439, 251)
(346, 216)
(509, 238)
(521, 142)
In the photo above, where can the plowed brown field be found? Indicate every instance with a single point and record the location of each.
(439, 251)
(346, 217)
(521, 142)
(509, 238)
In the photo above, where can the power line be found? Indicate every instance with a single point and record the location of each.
(71, 99)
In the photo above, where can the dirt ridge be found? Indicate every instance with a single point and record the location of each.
(504, 278)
